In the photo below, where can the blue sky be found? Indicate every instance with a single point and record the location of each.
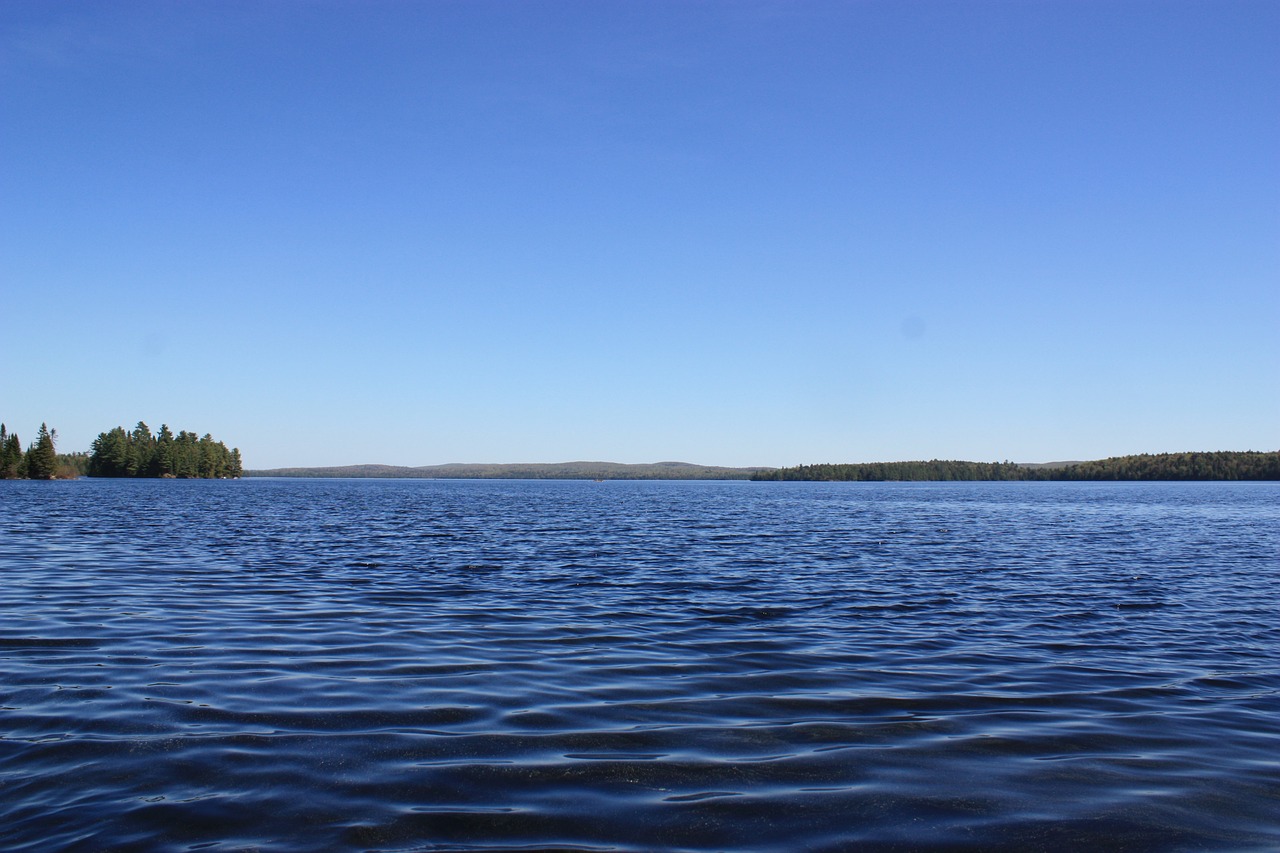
(723, 232)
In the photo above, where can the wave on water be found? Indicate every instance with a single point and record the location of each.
(420, 665)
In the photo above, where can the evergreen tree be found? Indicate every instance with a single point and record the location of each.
(208, 457)
(110, 457)
(142, 452)
(11, 461)
(186, 455)
(42, 459)
(164, 452)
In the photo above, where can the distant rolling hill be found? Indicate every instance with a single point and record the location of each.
(525, 471)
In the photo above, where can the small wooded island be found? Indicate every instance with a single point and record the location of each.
(117, 453)
(140, 454)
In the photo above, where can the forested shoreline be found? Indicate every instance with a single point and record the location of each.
(117, 453)
(1216, 465)
(40, 461)
(139, 453)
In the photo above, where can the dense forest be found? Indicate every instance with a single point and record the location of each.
(40, 461)
(140, 454)
(1219, 465)
(119, 454)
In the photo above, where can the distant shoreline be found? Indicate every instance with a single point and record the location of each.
(523, 471)
(1200, 466)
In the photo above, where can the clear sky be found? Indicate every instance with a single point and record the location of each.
(741, 233)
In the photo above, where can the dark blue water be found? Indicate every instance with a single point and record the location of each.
(419, 665)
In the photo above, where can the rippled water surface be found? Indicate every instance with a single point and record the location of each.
(420, 665)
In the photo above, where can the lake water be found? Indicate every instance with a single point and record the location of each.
(305, 665)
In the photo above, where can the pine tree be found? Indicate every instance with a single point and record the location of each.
(164, 452)
(10, 455)
(111, 454)
(42, 459)
(143, 447)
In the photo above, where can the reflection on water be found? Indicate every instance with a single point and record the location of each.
(410, 665)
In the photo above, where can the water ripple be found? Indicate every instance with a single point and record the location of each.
(388, 665)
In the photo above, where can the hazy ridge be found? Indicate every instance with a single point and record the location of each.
(526, 471)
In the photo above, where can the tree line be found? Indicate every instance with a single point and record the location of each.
(119, 454)
(1217, 465)
(40, 461)
(140, 454)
